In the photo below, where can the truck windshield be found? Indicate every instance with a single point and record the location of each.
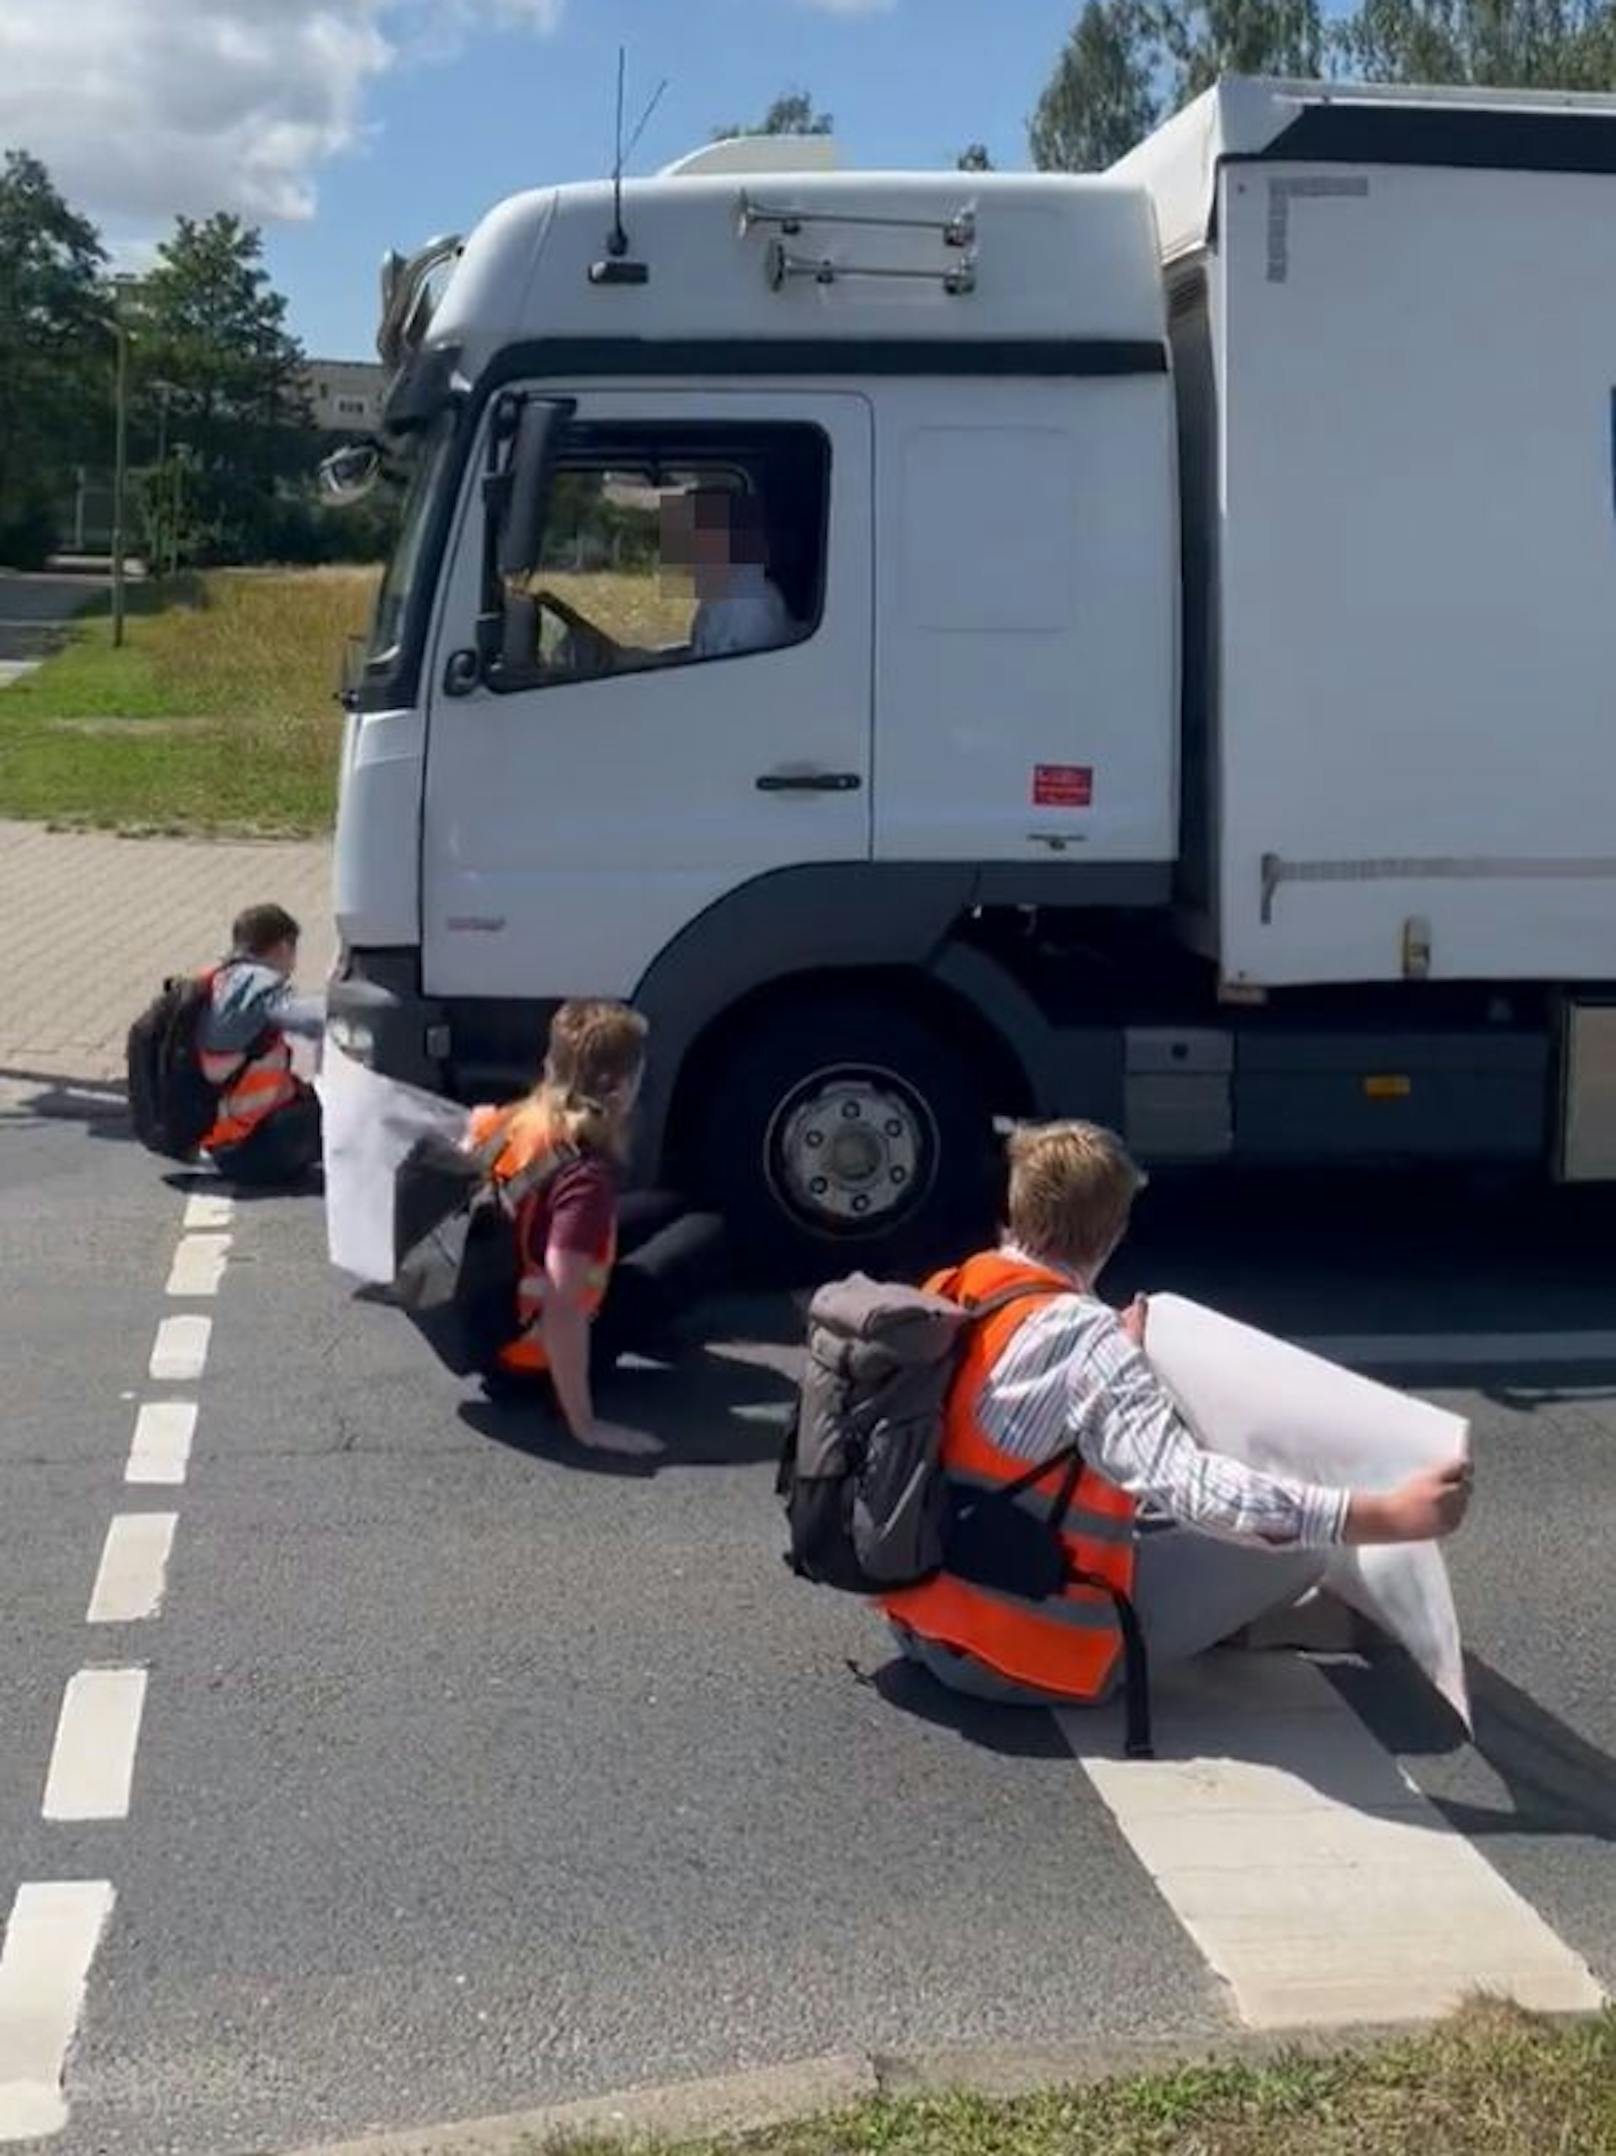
(424, 462)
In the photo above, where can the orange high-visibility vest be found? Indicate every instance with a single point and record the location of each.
(1070, 1643)
(252, 1087)
(525, 1144)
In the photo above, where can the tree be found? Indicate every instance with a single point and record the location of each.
(55, 354)
(211, 344)
(1209, 38)
(792, 113)
(1517, 44)
(1102, 97)
(974, 158)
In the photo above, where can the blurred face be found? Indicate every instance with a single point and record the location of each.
(282, 957)
(710, 553)
(698, 534)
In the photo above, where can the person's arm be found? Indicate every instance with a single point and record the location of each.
(583, 1203)
(1133, 1434)
(304, 1015)
(564, 1328)
(1136, 1437)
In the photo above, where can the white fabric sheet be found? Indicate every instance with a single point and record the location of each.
(370, 1124)
(1279, 1408)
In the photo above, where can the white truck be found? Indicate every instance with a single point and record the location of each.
(1196, 704)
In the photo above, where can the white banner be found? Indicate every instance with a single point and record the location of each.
(370, 1124)
(1291, 1413)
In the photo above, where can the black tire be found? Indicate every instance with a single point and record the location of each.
(795, 1080)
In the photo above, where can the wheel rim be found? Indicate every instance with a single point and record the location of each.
(851, 1150)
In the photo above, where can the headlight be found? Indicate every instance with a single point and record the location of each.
(353, 1036)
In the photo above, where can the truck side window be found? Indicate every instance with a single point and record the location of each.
(672, 550)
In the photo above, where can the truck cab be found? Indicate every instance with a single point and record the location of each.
(940, 409)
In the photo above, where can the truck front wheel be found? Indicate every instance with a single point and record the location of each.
(841, 1134)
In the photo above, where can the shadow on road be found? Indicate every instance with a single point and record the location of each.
(1012, 1732)
(61, 1099)
(1558, 1782)
(709, 1410)
(190, 1181)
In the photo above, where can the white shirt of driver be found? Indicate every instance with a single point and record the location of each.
(751, 616)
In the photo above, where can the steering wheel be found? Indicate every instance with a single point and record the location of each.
(585, 649)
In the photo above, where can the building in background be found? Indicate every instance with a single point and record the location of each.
(345, 395)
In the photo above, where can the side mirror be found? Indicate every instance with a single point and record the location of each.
(540, 425)
(523, 444)
(349, 473)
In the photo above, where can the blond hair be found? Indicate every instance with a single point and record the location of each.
(1072, 1187)
(585, 1093)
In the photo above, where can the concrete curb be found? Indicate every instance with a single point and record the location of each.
(776, 2095)
(730, 2103)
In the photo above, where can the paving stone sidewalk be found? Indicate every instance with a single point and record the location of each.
(90, 923)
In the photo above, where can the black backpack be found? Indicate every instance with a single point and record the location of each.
(868, 1507)
(170, 1102)
(456, 1264)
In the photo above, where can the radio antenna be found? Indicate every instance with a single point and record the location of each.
(617, 268)
(645, 119)
(617, 244)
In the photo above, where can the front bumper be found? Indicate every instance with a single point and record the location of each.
(376, 1013)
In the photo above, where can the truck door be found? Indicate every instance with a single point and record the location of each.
(684, 702)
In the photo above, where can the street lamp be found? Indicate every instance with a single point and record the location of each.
(120, 330)
(166, 532)
(182, 457)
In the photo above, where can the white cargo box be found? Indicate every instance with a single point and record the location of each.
(1395, 329)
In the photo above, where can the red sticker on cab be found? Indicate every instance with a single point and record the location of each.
(1067, 786)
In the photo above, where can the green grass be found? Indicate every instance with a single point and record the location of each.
(1492, 2082)
(217, 715)
(644, 609)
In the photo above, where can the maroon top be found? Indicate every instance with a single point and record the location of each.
(576, 1211)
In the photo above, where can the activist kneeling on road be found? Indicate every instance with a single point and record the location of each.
(1078, 1532)
(1199, 1543)
(567, 1139)
(210, 1062)
(267, 1126)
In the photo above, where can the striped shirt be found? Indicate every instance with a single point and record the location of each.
(248, 998)
(1071, 1371)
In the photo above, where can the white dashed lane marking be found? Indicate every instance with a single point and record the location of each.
(198, 1265)
(134, 1568)
(161, 1449)
(180, 1353)
(54, 1928)
(208, 1209)
(1317, 1881)
(50, 1941)
(93, 1759)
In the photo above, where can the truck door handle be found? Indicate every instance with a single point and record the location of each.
(809, 782)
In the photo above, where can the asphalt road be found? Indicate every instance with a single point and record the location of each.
(30, 605)
(469, 1780)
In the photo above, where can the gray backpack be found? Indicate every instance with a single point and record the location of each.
(860, 1478)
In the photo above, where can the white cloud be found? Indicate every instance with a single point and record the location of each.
(524, 14)
(143, 110)
(133, 256)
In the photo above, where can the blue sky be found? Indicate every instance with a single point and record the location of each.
(446, 137)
